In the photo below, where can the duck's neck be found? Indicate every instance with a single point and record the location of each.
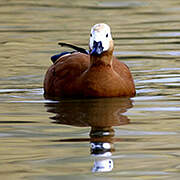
(103, 59)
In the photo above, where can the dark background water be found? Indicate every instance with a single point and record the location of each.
(42, 139)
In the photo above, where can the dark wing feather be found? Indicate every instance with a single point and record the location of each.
(79, 49)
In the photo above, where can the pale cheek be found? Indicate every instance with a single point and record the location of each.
(91, 44)
(105, 45)
(105, 42)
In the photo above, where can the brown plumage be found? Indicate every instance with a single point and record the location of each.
(94, 75)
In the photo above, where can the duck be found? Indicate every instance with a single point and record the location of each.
(89, 74)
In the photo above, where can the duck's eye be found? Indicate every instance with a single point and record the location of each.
(107, 35)
(91, 34)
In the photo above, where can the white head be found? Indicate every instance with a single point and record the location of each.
(100, 38)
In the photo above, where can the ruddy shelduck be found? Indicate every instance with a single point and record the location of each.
(96, 73)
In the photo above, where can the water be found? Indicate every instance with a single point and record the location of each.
(112, 138)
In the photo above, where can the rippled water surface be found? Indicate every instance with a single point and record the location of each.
(111, 138)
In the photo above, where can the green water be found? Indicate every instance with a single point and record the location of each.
(134, 138)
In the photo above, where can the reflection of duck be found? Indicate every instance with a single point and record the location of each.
(102, 148)
(98, 74)
(100, 115)
(105, 112)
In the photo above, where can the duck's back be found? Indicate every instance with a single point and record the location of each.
(61, 77)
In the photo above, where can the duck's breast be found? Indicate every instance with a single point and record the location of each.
(108, 81)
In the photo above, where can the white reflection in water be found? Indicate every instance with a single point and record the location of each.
(158, 109)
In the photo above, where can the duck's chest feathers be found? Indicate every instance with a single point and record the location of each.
(99, 81)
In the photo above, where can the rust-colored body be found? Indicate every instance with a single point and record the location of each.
(81, 75)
